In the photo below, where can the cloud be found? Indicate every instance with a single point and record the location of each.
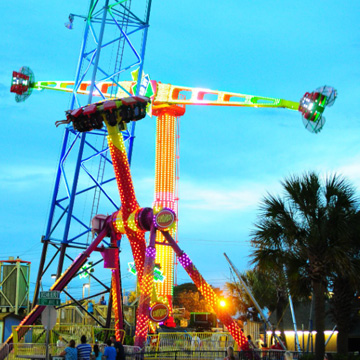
(224, 197)
(351, 171)
(4, 89)
(6, 95)
(22, 177)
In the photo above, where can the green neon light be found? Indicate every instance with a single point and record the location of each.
(85, 272)
(145, 82)
(158, 275)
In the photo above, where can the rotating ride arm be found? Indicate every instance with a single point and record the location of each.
(171, 97)
(208, 293)
(167, 94)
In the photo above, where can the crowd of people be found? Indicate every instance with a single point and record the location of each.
(287, 355)
(111, 350)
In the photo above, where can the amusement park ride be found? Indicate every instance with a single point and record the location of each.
(130, 102)
(131, 219)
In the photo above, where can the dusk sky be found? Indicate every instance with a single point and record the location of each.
(230, 157)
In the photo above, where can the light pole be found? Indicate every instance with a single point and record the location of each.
(86, 285)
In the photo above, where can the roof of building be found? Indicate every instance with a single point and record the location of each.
(4, 315)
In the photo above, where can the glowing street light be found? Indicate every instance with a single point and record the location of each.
(222, 303)
(86, 285)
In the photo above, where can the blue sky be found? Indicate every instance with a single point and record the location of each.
(229, 157)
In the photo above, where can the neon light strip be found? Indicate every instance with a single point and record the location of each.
(165, 195)
(169, 94)
(128, 199)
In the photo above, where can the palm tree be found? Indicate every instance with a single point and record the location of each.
(307, 232)
(345, 292)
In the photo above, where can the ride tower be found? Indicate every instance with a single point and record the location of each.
(113, 46)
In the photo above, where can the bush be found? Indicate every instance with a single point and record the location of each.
(129, 340)
(307, 357)
(346, 357)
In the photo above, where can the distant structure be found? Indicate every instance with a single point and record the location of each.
(14, 286)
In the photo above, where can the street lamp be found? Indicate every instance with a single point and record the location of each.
(86, 285)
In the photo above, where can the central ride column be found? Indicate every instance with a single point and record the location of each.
(165, 192)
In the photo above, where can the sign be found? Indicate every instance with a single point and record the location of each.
(164, 218)
(48, 317)
(159, 312)
(49, 298)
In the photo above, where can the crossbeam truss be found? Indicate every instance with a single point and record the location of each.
(168, 94)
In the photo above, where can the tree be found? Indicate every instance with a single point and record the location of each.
(262, 288)
(187, 296)
(268, 288)
(307, 233)
(344, 300)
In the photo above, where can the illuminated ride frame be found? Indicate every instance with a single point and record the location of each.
(168, 103)
(133, 220)
(130, 220)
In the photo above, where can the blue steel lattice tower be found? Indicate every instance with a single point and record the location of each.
(113, 45)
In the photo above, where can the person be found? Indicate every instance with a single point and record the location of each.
(276, 346)
(60, 342)
(109, 352)
(264, 350)
(70, 352)
(102, 301)
(154, 339)
(288, 355)
(84, 349)
(230, 353)
(252, 346)
(90, 307)
(96, 354)
(195, 342)
(120, 351)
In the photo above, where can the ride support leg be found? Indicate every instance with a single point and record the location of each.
(208, 293)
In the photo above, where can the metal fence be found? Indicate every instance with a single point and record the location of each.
(4, 351)
(210, 355)
(38, 351)
(37, 333)
(188, 341)
(19, 351)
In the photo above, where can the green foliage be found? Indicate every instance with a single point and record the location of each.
(345, 357)
(307, 357)
(192, 301)
(129, 340)
(188, 296)
(307, 235)
(186, 286)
